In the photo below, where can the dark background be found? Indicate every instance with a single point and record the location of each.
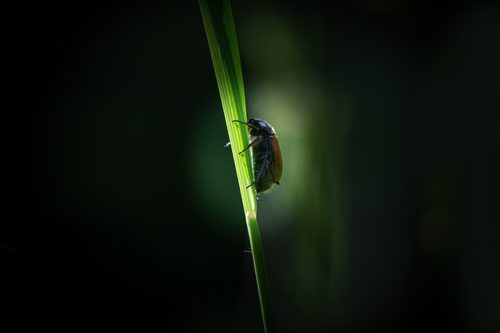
(125, 212)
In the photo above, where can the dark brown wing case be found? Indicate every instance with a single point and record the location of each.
(277, 160)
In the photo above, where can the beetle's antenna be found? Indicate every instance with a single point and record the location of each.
(241, 122)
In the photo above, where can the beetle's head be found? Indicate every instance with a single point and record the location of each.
(259, 127)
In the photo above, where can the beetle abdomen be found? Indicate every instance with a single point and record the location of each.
(263, 164)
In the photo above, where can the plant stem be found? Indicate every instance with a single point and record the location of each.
(223, 44)
(260, 273)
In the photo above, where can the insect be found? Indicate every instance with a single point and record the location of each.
(266, 153)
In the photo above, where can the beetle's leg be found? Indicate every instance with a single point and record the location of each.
(251, 144)
(227, 144)
(264, 166)
(262, 170)
(253, 183)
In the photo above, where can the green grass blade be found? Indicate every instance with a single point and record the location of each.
(260, 273)
(221, 34)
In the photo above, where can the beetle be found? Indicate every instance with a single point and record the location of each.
(266, 154)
